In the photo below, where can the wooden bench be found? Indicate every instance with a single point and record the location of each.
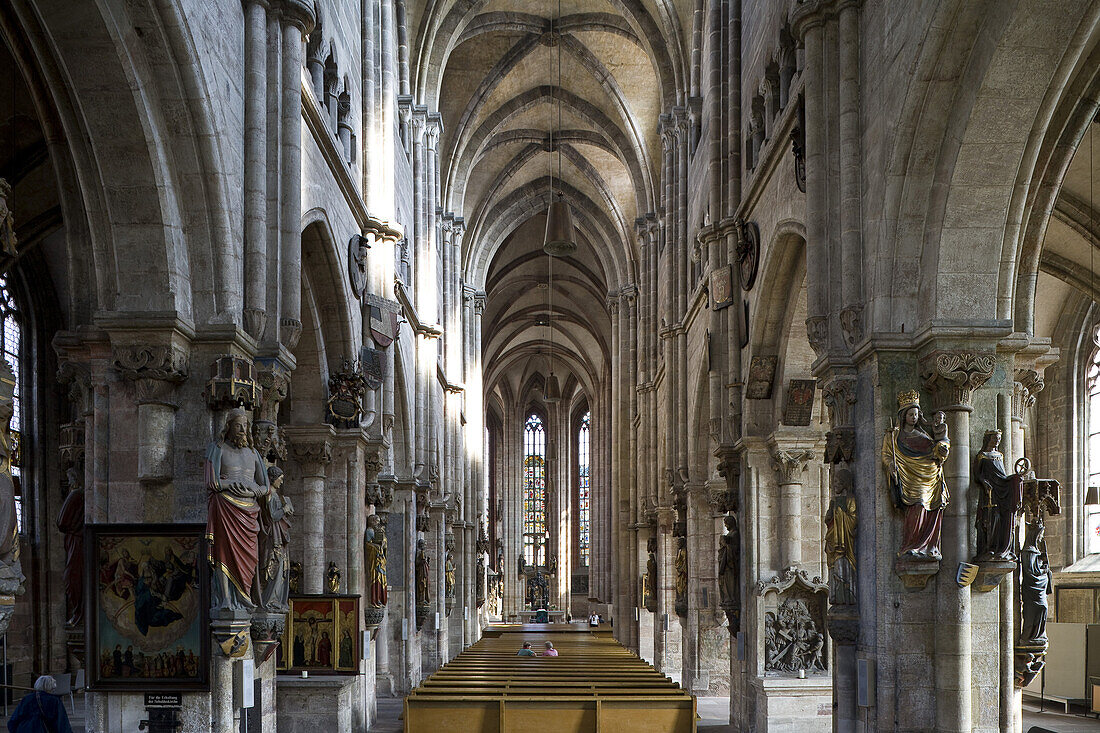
(594, 685)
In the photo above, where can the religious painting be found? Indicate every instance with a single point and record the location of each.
(321, 635)
(347, 621)
(721, 288)
(800, 402)
(761, 376)
(147, 625)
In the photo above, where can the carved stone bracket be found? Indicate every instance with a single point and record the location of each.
(840, 445)
(267, 629)
(154, 371)
(851, 323)
(953, 376)
(274, 379)
(231, 637)
(380, 495)
(915, 572)
(817, 332)
(78, 377)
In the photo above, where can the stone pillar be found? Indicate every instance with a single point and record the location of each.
(255, 167)
(154, 372)
(952, 377)
(297, 20)
(790, 457)
(311, 447)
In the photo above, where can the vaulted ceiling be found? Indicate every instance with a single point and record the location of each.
(491, 69)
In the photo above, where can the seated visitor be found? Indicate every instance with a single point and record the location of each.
(593, 620)
(550, 650)
(526, 651)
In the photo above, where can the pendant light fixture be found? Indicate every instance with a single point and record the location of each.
(560, 239)
(552, 392)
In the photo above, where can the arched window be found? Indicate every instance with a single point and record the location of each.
(11, 341)
(584, 489)
(534, 488)
(1092, 456)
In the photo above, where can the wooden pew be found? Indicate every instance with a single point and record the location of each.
(594, 685)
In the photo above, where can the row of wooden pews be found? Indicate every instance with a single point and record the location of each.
(594, 685)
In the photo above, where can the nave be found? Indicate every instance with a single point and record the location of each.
(337, 332)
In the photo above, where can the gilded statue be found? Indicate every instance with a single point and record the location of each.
(449, 575)
(333, 576)
(274, 539)
(236, 480)
(681, 572)
(999, 502)
(374, 556)
(840, 541)
(913, 460)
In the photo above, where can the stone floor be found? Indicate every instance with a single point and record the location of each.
(713, 713)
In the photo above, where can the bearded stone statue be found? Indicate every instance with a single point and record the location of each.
(236, 479)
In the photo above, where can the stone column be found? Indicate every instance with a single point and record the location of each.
(297, 20)
(952, 377)
(790, 457)
(311, 447)
(255, 167)
(154, 372)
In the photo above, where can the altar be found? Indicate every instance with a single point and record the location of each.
(528, 617)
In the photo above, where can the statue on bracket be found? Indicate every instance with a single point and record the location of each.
(274, 538)
(375, 561)
(999, 503)
(681, 577)
(70, 521)
(236, 479)
(423, 590)
(449, 578)
(840, 540)
(333, 576)
(729, 572)
(650, 602)
(913, 454)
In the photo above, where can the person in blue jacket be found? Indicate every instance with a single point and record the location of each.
(40, 711)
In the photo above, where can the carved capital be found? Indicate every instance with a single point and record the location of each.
(953, 376)
(312, 455)
(790, 464)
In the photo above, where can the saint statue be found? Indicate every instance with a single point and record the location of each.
(1036, 585)
(840, 541)
(295, 576)
(333, 578)
(729, 566)
(70, 520)
(236, 479)
(449, 575)
(374, 556)
(681, 572)
(274, 538)
(522, 565)
(913, 460)
(999, 503)
(422, 572)
(479, 582)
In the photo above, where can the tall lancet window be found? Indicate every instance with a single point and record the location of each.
(11, 341)
(584, 488)
(1092, 458)
(534, 489)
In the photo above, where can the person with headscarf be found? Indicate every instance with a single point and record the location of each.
(40, 711)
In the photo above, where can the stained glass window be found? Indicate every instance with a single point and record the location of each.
(1092, 513)
(10, 343)
(584, 495)
(534, 488)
